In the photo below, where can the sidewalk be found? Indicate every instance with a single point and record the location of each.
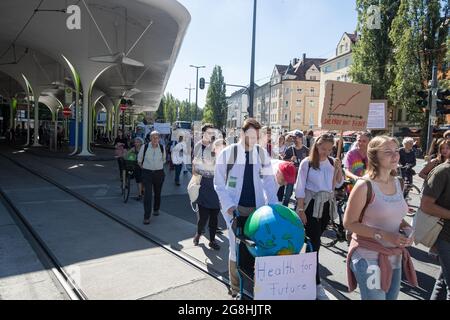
(176, 225)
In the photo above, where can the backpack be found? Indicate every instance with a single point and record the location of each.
(145, 151)
(232, 159)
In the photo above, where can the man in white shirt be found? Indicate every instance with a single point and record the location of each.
(151, 159)
(178, 157)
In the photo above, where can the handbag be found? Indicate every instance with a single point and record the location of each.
(193, 189)
(426, 228)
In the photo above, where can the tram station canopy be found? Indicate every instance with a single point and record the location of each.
(119, 48)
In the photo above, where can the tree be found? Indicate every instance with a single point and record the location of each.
(372, 54)
(406, 81)
(160, 111)
(216, 103)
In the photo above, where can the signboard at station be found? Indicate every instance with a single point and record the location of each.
(345, 106)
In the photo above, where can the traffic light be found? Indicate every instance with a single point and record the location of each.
(202, 83)
(442, 102)
(423, 101)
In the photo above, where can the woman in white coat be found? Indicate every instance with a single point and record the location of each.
(243, 180)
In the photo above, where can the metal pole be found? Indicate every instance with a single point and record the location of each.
(252, 70)
(196, 96)
(189, 108)
(196, 89)
(432, 104)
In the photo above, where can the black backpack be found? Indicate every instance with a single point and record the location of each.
(145, 151)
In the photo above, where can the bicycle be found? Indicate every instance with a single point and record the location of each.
(409, 187)
(127, 176)
(335, 231)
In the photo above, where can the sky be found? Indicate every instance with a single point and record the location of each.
(220, 33)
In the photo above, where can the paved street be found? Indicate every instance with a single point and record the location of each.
(98, 181)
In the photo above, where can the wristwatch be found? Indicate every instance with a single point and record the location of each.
(377, 236)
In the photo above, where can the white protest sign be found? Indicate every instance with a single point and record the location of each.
(345, 106)
(377, 115)
(289, 277)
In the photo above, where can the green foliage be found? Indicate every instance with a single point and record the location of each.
(405, 67)
(216, 104)
(167, 110)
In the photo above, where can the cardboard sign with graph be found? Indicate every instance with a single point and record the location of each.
(346, 106)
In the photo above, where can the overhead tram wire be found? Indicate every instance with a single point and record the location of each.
(22, 30)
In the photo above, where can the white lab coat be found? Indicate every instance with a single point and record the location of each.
(229, 196)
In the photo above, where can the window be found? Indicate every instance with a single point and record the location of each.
(274, 105)
(346, 62)
(339, 65)
(311, 119)
(299, 90)
(286, 91)
(346, 47)
(285, 117)
(298, 102)
(298, 117)
(311, 103)
(312, 78)
(311, 91)
(286, 104)
(341, 48)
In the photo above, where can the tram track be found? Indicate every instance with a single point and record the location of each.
(185, 258)
(45, 255)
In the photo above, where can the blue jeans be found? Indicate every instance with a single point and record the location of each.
(366, 277)
(442, 283)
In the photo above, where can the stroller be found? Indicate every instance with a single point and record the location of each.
(244, 259)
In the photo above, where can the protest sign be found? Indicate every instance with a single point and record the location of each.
(289, 277)
(377, 119)
(345, 106)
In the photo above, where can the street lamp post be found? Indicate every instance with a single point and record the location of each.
(189, 108)
(196, 89)
(252, 69)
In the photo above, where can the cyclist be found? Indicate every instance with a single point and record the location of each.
(121, 145)
(137, 172)
(407, 160)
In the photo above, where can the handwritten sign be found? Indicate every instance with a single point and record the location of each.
(290, 277)
(345, 106)
(377, 115)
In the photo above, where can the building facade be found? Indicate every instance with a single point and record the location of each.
(237, 105)
(295, 92)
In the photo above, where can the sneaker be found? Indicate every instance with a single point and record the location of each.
(156, 213)
(321, 294)
(146, 221)
(196, 239)
(214, 245)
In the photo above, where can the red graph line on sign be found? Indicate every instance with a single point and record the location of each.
(348, 101)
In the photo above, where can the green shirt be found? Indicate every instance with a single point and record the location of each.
(437, 186)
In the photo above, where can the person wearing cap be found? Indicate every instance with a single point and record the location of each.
(295, 153)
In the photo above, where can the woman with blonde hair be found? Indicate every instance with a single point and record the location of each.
(375, 215)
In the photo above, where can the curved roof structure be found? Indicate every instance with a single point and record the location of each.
(123, 45)
(113, 48)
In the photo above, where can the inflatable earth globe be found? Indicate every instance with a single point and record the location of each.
(276, 230)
